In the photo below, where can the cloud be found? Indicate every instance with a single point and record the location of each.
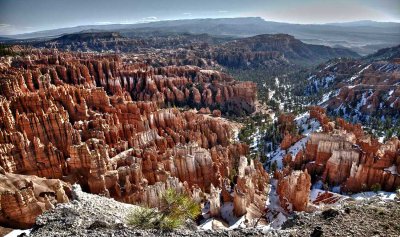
(5, 25)
(148, 19)
(323, 12)
(103, 22)
(8, 29)
(187, 13)
(126, 22)
(223, 11)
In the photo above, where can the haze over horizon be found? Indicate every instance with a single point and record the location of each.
(18, 16)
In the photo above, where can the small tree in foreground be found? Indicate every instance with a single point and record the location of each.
(274, 166)
(376, 187)
(174, 210)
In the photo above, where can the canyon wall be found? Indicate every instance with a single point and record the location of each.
(24, 197)
(111, 125)
(343, 155)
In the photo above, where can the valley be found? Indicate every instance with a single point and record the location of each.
(267, 133)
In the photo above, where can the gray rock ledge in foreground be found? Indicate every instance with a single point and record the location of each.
(93, 215)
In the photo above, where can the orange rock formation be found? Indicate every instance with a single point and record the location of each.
(103, 122)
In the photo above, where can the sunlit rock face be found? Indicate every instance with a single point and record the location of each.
(251, 187)
(109, 125)
(174, 85)
(343, 155)
(287, 129)
(24, 197)
(294, 190)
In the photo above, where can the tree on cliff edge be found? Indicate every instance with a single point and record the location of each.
(175, 209)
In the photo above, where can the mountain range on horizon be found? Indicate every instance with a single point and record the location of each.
(363, 37)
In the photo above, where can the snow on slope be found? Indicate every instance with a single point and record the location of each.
(381, 195)
(227, 215)
(307, 127)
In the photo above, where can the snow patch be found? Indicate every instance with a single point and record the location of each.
(392, 169)
(307, 127)
(271, 94)
(277, 81)
(275, 213)
(227, 215)
(382, 195)
(16, 233)
(207, 225)
(359, 73)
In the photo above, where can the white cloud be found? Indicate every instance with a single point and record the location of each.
(223, 11)
(187, 13)
(7, 29)
(103, 22)
(126, 22)
(4, 25)
(322, 12)
(149, 19)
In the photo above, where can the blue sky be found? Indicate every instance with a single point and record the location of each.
(19, 16)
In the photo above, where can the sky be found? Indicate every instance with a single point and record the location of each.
(22, 16)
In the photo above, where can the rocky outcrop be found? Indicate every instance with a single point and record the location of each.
(252, 184)
(106, 123)
(294, 191)
(90, 219)
(288, 129)
(289, 140)
(344, 155)
(354, 168)
(215, 202)
(319, 114)
(23, 198)
(171, 85)
(20, 155)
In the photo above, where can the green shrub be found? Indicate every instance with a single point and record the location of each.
(274, 166)
(232, 175)
(363, 187)
(326, 186)
(175, 209)
(376, 187)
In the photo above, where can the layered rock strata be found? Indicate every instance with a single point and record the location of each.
(103, 121)
(294, 191)
(344, 155)
(23, 198)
